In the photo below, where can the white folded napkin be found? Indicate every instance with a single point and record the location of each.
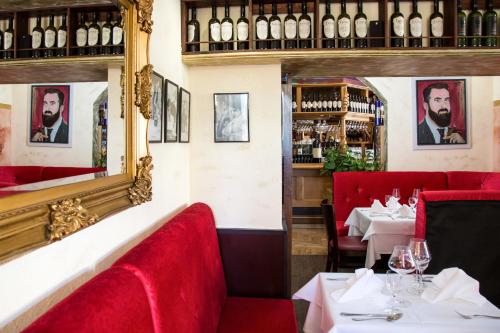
(453, 283)
(404, 211)
(377, 207)
(362, 284)
(393, 204)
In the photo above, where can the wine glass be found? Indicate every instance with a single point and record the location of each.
(396, 193)
(416, 192)
(422, 255)
(393, 283)
(402, 262)
(412, 201)
(387, 199)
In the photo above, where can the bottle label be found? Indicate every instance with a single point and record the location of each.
(117, 35)
(399, 26)
(317, 153)
(215, 31)
(461, 26)
(315, 105)
(304, 104)
(476, 26)
(325, 104)
(330, 104)
(50, 38)
(304, 29)
(437, 27)
(309, 104)
(93, 36)
(242, 31)
(344, 27)
(276, 29)
(106, 35)
(36, 40)
(491, 26)
(361, 27)
(416, 27)
(61, 38)
(329, 28)
(262, 29)
(227, 31)
(294, 105)
(291, 29)
(81, 37)
(7, 44)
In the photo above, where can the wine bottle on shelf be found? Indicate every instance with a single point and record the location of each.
(305, 41)
(344, 22)
(490, 26)
(242, 30)
(316, 150)
(275, 29)
(461, 25)
(8, 40)
(118, 35)
(62, 37)
(50, 38)
(328, 25)
(474, 24)
(436, 26)
(415, 26)
(314, 103)
(262, 29)
(193, 32)
(214, 34)
(330, 103)
(37, 38)
(303, 103)
(290, 28)
(94, 36)
(81, 36)
(107, 35)
(325, 103)
(397, 27)
(227, 30)
(360, 27)
(309, 103)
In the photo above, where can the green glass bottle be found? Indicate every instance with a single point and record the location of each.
(475, 26)
(490, 26)
(397, 27)
(436, 26)
(415, 26)
(461, 25)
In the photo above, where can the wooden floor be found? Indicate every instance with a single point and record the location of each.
(309, 240)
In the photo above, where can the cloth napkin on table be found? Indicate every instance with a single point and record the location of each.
(363, 283)
(404, 211)
(393, 204)
(453, 283)
(377, 207)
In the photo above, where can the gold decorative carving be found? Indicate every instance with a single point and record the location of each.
(123, 79)
(143, 84)
(68, 216)
(142, 191)
(145, 11)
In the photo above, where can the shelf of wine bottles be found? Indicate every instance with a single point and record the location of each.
(240, 25)
(61, 32)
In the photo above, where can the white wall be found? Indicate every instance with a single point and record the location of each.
(240, 181)
(36, 281)
(401, 156)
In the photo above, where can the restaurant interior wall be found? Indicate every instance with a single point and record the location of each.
(240, 181)
(31, 284)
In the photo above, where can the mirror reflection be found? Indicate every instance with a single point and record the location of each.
(59, 133)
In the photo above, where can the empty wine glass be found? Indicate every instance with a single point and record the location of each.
(387, 199)
(422, 255)
(396, 193)
(402, 262)
(416, 192)
(412, 201)
(393, 283)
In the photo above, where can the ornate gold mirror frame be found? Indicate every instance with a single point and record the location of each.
(34, 219)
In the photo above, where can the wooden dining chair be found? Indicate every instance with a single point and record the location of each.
(343, 251)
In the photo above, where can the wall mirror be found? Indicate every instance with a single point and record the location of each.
(72, 147)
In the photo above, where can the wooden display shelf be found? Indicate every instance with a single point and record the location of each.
(318, 115)
(308, 166)
(63, 69)
(359, 143)
(356, 116)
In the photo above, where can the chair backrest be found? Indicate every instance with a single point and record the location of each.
(473, 180)
(328, 212)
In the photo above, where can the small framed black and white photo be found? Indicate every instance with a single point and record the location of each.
(171, 111)
(156, 120)
(184, 110)
(231, 119)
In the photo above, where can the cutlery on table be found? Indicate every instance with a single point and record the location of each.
(476, 315)
(349, 314)
(390, 317)
(337, 279)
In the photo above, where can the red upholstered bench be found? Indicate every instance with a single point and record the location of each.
(180, 269)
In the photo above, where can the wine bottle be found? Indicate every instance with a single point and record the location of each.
(50, 38)
(303, 103)
(461, 25)
(214, 31)
(242, 30)
(490, 25)
(360, 27)
(118, 35)
(309, 103)
(290, 28)
(397, 27)
(436, 26)
(275, 28)
(107, 35)
(1, 40)
(324, 103)
(227, 30)
(94, 36)
(316, 150)
(305, 28)
(62, 35)
(344, 22)
(8, 38)
(328, 24)
(415, 26)
(81, 36)
(474, 24)
(262, 29)
(193, 32)
(37, 38)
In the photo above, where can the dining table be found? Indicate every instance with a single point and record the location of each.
(324, 314)
(382, 231)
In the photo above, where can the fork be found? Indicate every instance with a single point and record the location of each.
(476, 315)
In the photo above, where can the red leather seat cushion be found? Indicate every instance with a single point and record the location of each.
(352, 243)
(112, 302)
(257, 315)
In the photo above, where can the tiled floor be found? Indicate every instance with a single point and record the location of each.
(309, 240)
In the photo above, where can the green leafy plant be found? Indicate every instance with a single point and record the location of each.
(344, 160)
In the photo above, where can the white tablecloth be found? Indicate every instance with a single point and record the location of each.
(323, 315)
(381, 231)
